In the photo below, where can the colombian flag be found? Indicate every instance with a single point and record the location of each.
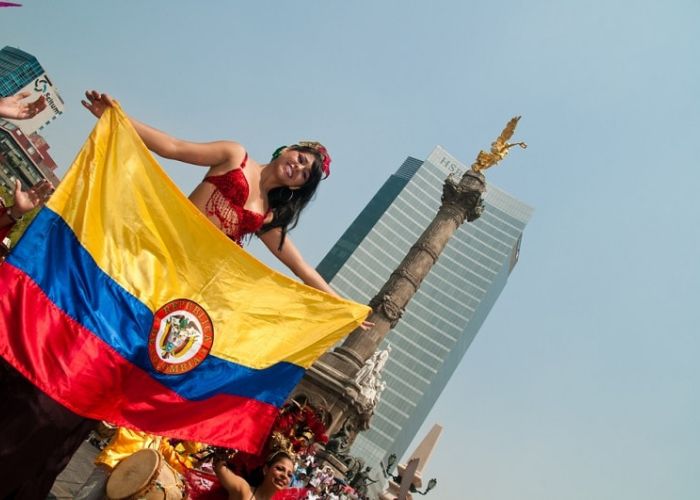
(124, 303)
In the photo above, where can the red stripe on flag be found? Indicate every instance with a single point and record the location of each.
(83, 373)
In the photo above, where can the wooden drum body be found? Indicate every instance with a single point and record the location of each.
(145, 475)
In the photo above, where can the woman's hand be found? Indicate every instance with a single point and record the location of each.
(211, 154)
(12, 107)
(97, 103)
(366, 325)
(30, 199)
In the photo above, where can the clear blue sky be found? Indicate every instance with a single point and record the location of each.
(584, 381)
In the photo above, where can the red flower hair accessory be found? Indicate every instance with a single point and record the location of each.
(321, 150)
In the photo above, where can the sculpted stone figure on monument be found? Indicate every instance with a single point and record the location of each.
(378, 389)
(372, 367)
(339, 443)
(368, 379)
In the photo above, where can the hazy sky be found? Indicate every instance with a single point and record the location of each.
(583, 383)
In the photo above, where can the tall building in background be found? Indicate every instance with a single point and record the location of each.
(21, 72)
(23, 152)
(17, 70)
(451, 304)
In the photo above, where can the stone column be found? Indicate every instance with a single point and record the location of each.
(329, 382)
(460, 201)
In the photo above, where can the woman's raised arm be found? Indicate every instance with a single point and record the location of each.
(210, 154)
(290, 256)
(235, 486)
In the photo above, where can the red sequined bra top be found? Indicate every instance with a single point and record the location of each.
(227, 202)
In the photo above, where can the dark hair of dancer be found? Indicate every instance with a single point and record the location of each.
(286, 204)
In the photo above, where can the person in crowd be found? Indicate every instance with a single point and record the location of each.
(277, 475)
(16, 108)
(20, 396)
(24, 201)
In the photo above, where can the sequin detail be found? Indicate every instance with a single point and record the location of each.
(227, 202)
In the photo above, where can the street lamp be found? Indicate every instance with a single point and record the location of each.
(386, 471)
(390, 462)
(431, 484)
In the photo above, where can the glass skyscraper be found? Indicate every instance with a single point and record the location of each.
(447, 311)
(17, 69)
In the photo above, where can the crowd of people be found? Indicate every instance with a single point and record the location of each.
(318, 482)
(241, 197)
(209, 473)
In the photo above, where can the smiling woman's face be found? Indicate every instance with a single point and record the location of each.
(279, 473)
(294, 167)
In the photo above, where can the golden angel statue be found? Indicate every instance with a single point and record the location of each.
(499, 148)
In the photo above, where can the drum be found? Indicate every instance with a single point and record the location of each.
(145, 475)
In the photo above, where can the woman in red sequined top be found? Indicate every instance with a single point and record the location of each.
(242, 196)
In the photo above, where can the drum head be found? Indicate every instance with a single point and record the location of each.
(133, 474)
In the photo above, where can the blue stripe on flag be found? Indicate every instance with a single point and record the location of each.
(52, 256)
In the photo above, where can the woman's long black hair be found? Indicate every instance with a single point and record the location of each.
(286, 204)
